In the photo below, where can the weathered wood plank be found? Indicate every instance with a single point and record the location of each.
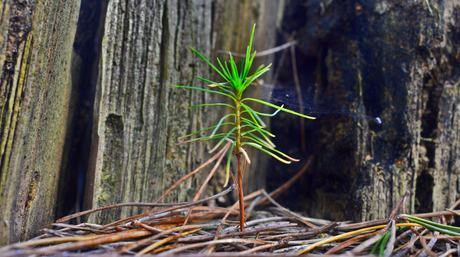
(138, 117)
(34, 92)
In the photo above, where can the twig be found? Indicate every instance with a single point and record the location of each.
(197, 195)
(455, 204)
(48, 241)
(292, 180)
(263, 53)
(432, 214)
(291, 236)
(453, 212)
(448, 253)
(138, 204)
(335, 238)
(299, 97)
(188, 176)
(187, 204)
(443, 237)
(253, 205)
(288, 211)
(403, 200)
(51, 232)
(181, 205)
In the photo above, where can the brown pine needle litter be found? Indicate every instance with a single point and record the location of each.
(272, 231)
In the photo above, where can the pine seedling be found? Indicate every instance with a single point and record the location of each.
(244, 126)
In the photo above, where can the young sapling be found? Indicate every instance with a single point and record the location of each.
(245, 127)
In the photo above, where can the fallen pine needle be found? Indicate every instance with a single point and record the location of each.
(352, 233)
(164, 241)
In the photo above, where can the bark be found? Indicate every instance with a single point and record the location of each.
(34, 92)
(138, 117)
(394, 60)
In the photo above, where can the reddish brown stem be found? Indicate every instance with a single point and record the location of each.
(240, 192)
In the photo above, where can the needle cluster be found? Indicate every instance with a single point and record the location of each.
(243, 126)
(246, 127)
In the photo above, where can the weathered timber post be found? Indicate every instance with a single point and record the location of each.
(35, 53)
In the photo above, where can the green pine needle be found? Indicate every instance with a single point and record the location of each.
(248, 127)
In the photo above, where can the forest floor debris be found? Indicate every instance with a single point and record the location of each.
(270, 230)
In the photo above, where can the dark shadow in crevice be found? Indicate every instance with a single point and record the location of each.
(424, 193)
(85, 61)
